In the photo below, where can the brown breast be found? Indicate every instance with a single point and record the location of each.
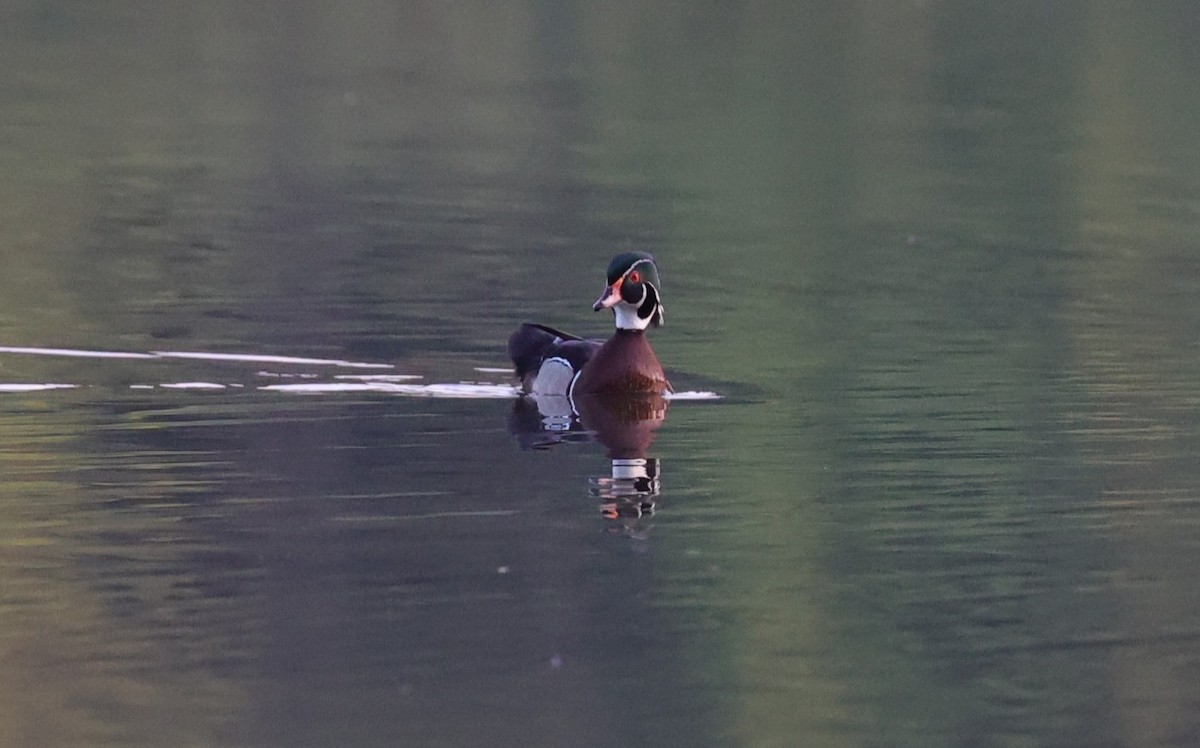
(625, 363)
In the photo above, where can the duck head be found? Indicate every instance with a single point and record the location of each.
(633, 292)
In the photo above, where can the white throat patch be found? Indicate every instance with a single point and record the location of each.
(627, 317)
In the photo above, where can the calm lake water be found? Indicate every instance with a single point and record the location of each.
(940, 260)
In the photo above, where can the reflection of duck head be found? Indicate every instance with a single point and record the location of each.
(624, 424)
(631, 492)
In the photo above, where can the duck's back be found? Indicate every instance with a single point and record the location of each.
(533, 346)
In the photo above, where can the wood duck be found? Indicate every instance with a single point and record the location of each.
(552, 362)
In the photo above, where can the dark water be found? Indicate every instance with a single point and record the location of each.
(940, 258)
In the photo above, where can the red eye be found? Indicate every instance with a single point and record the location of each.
(634, 277)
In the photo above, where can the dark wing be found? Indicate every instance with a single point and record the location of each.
(532, 344)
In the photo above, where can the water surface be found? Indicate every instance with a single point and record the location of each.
(266, 481)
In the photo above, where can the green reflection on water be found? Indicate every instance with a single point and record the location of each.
(940, 255)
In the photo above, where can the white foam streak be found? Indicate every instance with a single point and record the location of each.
(692, 395)
(462, 390)
(396, 384)
(75, 353)
(264, 359)
(379, 377)
(196, 355)
(476, 390)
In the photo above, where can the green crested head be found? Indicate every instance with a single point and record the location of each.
(644, 262)
(633, 291)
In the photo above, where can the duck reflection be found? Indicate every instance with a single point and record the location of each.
(624, 424)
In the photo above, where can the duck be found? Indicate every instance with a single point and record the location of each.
(550, 362)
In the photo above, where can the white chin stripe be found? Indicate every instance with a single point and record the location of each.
(627, 317)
